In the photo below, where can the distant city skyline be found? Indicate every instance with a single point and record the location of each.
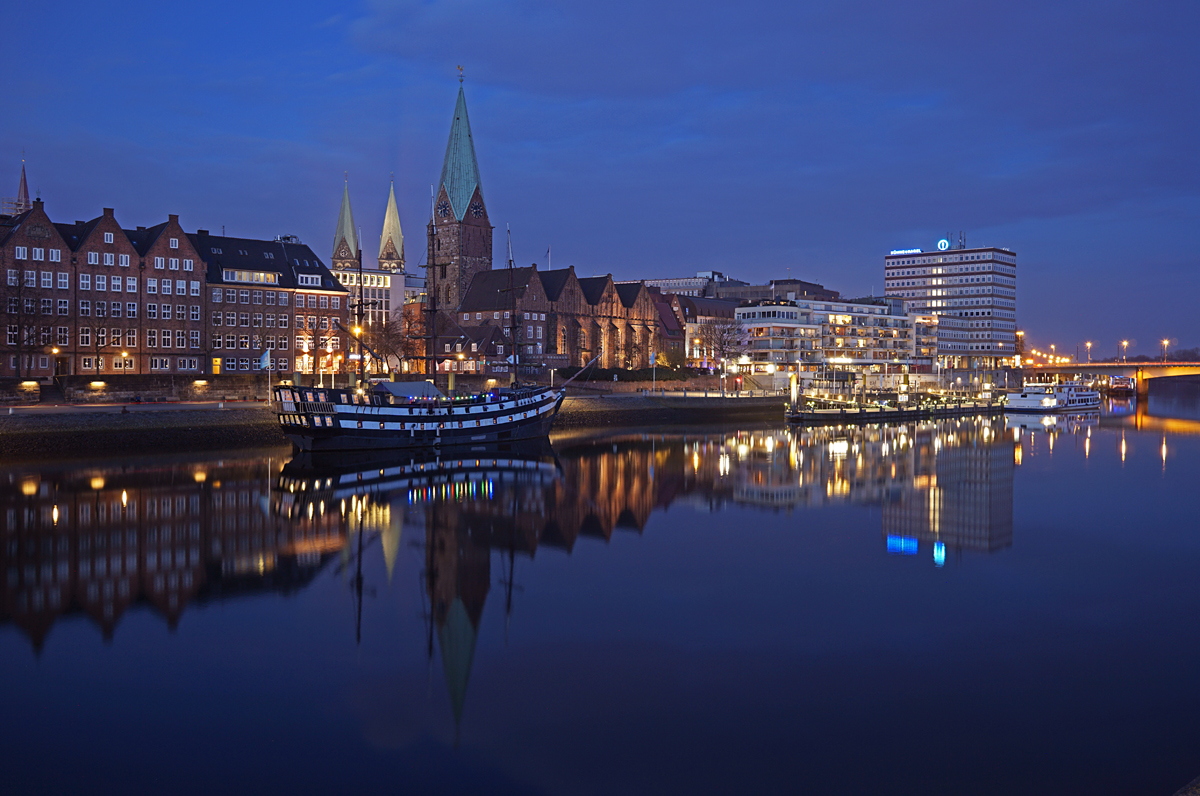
(769, 142)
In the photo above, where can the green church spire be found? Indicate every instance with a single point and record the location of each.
(460, 172)
(391, 242)
(345, 227)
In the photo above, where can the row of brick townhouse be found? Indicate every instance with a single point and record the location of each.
(92, 298)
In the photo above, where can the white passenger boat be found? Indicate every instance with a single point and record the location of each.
(398, 415)
(1050, 398)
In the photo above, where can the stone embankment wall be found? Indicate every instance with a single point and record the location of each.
(19, 391)
(109, 432)
(127, 389)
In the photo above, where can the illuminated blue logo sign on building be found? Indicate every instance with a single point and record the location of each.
(943, 244)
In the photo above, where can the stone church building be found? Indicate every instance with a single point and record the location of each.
(560, 319)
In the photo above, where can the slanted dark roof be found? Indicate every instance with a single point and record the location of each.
(489, 292)
(553, 282)
(593, 288)
(694, 307)
(142, 239)
(628, 292)
(667, 319)
(9, 224)
(75, 234)
(288, 259)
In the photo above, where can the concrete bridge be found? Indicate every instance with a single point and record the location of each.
(1142, 372)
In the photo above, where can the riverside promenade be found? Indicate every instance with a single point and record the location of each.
(53, 431)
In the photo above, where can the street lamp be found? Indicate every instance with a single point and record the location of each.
(1165, 343)
(1089, 349)
(1124, 350)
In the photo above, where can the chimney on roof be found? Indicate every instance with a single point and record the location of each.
(108, 211)
(173, 218)
(141, 229)
(202, 232)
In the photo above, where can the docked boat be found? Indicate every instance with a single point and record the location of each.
(1049, 398)
(1121, 386)
(399, 415)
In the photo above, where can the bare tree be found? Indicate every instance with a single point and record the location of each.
(400, 340)
(19, 298)
(722, 338)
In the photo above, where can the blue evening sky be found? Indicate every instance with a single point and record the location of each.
(653, 138)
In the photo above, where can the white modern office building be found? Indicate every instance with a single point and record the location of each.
(972, 293)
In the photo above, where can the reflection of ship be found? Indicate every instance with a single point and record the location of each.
(1067, 421)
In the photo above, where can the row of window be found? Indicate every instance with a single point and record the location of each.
(115, 284)
(124, 338)
(256, 342)
(154, 312)
(97, 364)
(253, 363)
(528, 316)
(258, 319)
(22, 253)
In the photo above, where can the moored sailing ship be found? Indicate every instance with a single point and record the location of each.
(398, 415)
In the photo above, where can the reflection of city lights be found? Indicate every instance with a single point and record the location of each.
(29, 488)
(939, 554)
(124, 498)
(1122, 447)
(54, 514)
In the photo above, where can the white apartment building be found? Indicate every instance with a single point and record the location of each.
(869, 335)
(973, 293)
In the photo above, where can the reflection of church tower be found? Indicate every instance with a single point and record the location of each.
(460, 234)
(458, 579)
(391, 242)
(345, 238)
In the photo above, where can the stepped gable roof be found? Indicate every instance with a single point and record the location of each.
(288, 258)
(593, 287)
(628, 292)
(345, 226)
(75, 234)
(488, 290)
(553, 282)
(391, 226)
(460, 171)
(143, 238)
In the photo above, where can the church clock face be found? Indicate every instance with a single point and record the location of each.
(443, 208)
(477, 210)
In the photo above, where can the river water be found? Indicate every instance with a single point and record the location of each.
(960, 607)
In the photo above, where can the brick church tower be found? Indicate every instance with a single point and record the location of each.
(460, 234)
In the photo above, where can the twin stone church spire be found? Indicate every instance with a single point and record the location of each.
(460, 239)
(346, 243)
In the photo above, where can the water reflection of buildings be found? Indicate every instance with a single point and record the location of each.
(948, 482)
(99, 541)
(102, 540)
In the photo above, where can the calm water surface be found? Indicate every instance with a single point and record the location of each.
(974, 607)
